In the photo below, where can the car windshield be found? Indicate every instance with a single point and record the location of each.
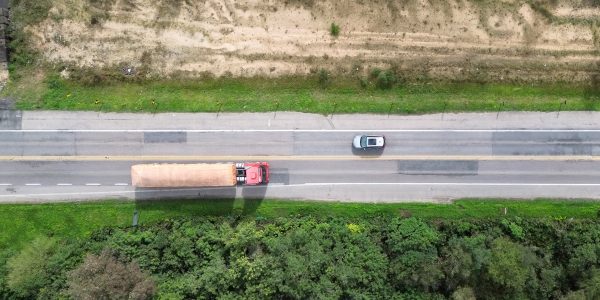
(363, 141)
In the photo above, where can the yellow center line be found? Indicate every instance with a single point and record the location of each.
(242, 158)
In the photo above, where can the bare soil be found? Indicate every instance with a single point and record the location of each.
(454, 40)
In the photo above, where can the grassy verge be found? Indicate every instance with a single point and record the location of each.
(297, 94)
(22, 222)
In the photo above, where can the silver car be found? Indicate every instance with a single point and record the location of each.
(368, 141)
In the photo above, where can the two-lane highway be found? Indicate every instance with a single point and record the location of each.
(308, 164)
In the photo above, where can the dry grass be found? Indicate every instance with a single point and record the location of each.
(247, 38)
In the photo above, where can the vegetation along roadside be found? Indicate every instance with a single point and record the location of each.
(539, 249)
(23, 222)
(303, 94)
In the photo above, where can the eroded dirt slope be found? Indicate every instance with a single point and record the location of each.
(503, 40)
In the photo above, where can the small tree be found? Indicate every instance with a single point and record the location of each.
(334, 30)
(28, 271)
(103, 277)
(511, 265)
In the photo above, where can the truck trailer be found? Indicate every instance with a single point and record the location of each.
(199, 175)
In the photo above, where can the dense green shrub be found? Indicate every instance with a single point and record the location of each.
(383, 79)
(380, 257)
(24, 13)
(386, 80)
(28, 271)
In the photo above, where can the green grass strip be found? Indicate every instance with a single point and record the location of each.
(23, 222)
(302, 95)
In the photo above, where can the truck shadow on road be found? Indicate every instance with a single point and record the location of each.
(253, 197)
(203, 201)
(142, 194)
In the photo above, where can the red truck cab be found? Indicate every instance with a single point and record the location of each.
(256, 173)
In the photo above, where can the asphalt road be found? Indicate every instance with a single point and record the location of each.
(308, 164)
(290, 142)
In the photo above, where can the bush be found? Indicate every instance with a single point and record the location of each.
(375, 72)
(53, 81)
(27, 271)
(334, 30)
(324, 78)
(29, 12)
(98, 11)
(363, 82)
(103, 277)
(463, 293)
(5, 292)
(24, 13)
(386, 80)
(513, 229)
(19, 52)
(595, 27)
(93, 77)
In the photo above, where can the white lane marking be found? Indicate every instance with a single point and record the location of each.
(138, 191)
(68, 194)
(446, 183)
(5, 184)
(122, 184)
(301, 158)
(64, 184)
(33, 184)
(292, 130)
(92, 184)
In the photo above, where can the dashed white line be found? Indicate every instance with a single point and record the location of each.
(5, 184)
(122, 184)
(92, 184)
(64, 184)
(290, 130)
(33, 184)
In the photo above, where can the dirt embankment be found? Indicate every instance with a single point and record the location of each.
(475, 40)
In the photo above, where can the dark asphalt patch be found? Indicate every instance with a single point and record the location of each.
(279, 175)
(438, 167)
(545, 143)
(165, 137)
(10, 119)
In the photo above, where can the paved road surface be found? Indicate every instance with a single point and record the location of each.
(293, 142)
(308, 164)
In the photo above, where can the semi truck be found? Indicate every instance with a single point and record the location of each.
(165, 175)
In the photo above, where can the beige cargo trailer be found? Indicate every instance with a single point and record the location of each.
(183, 175)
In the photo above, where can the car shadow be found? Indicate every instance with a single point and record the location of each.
(368, 152)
